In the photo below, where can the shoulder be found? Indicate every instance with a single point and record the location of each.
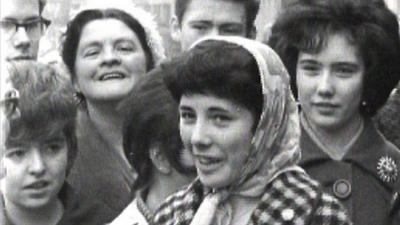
(294, 196)
(180, 206)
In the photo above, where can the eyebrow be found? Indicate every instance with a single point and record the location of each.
(309, 61)
(90, 43)
(184, 107)
(218, 109)
(32, 18)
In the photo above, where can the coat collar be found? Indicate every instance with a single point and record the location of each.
(370, 149)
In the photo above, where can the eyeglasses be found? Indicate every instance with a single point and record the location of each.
(33, 28)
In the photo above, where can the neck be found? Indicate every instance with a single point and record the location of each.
(47, 215)
(337, 140)
(242, 208)
(108, 122)
(163, 185)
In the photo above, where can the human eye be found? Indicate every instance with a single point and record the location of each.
(345, 71)
(231, 29)
(16, 153)
(310, 68)
(91, 52)
(53, 148)
(33, 24)
(7, 25)
(221, 119)
(200, 26)
(125, 47)
(187, 116)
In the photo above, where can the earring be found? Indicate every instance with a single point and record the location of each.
(364, 103)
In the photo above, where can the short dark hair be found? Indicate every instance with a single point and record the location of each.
(46, 105)
(76, 26)
(222, 69)
(369, 25)
(152, 120)
(251, 8)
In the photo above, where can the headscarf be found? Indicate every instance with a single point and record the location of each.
(275, 144)
(144, 18)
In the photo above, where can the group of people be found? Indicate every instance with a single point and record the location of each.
(231, 131)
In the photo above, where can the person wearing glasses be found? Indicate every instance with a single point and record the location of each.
(21, 28)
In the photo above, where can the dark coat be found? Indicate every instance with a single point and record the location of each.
(358, 180)
(77, 210)
(98, 171)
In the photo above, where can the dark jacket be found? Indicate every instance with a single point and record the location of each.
(366, 180)
(98, 171)
(77, 210)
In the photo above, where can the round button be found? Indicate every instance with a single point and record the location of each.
(342, 189)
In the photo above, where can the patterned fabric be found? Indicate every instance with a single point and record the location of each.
(292, 198)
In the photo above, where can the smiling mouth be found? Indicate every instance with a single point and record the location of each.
(208, 161)
(111, 76)
(38, 185)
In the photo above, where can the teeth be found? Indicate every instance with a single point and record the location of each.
(111, 76)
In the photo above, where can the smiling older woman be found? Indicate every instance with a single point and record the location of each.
(239, 120)
(107, 49)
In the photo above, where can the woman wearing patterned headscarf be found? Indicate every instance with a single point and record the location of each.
(107, 48)
(239, 120)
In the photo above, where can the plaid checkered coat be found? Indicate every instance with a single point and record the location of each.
(291, 198)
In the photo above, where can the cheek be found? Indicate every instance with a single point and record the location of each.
(186, 135)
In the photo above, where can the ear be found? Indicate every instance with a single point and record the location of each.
(175, 29)
(159, 160)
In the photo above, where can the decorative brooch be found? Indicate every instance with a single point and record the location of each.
(387, 169)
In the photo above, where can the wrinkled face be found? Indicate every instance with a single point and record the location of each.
(24, 43)
(218, 132)
(109, 61)
(35, 171)
(210, 17)
(330, 84)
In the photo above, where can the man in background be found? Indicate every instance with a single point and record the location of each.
(21, 26)
(195, 19)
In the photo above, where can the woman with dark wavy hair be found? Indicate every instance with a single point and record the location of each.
(344, 61)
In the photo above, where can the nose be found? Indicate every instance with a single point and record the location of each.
(214, 31)
(37, 165)
(200, 138)
(325, 84)
(21, 38)
(110, 57)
